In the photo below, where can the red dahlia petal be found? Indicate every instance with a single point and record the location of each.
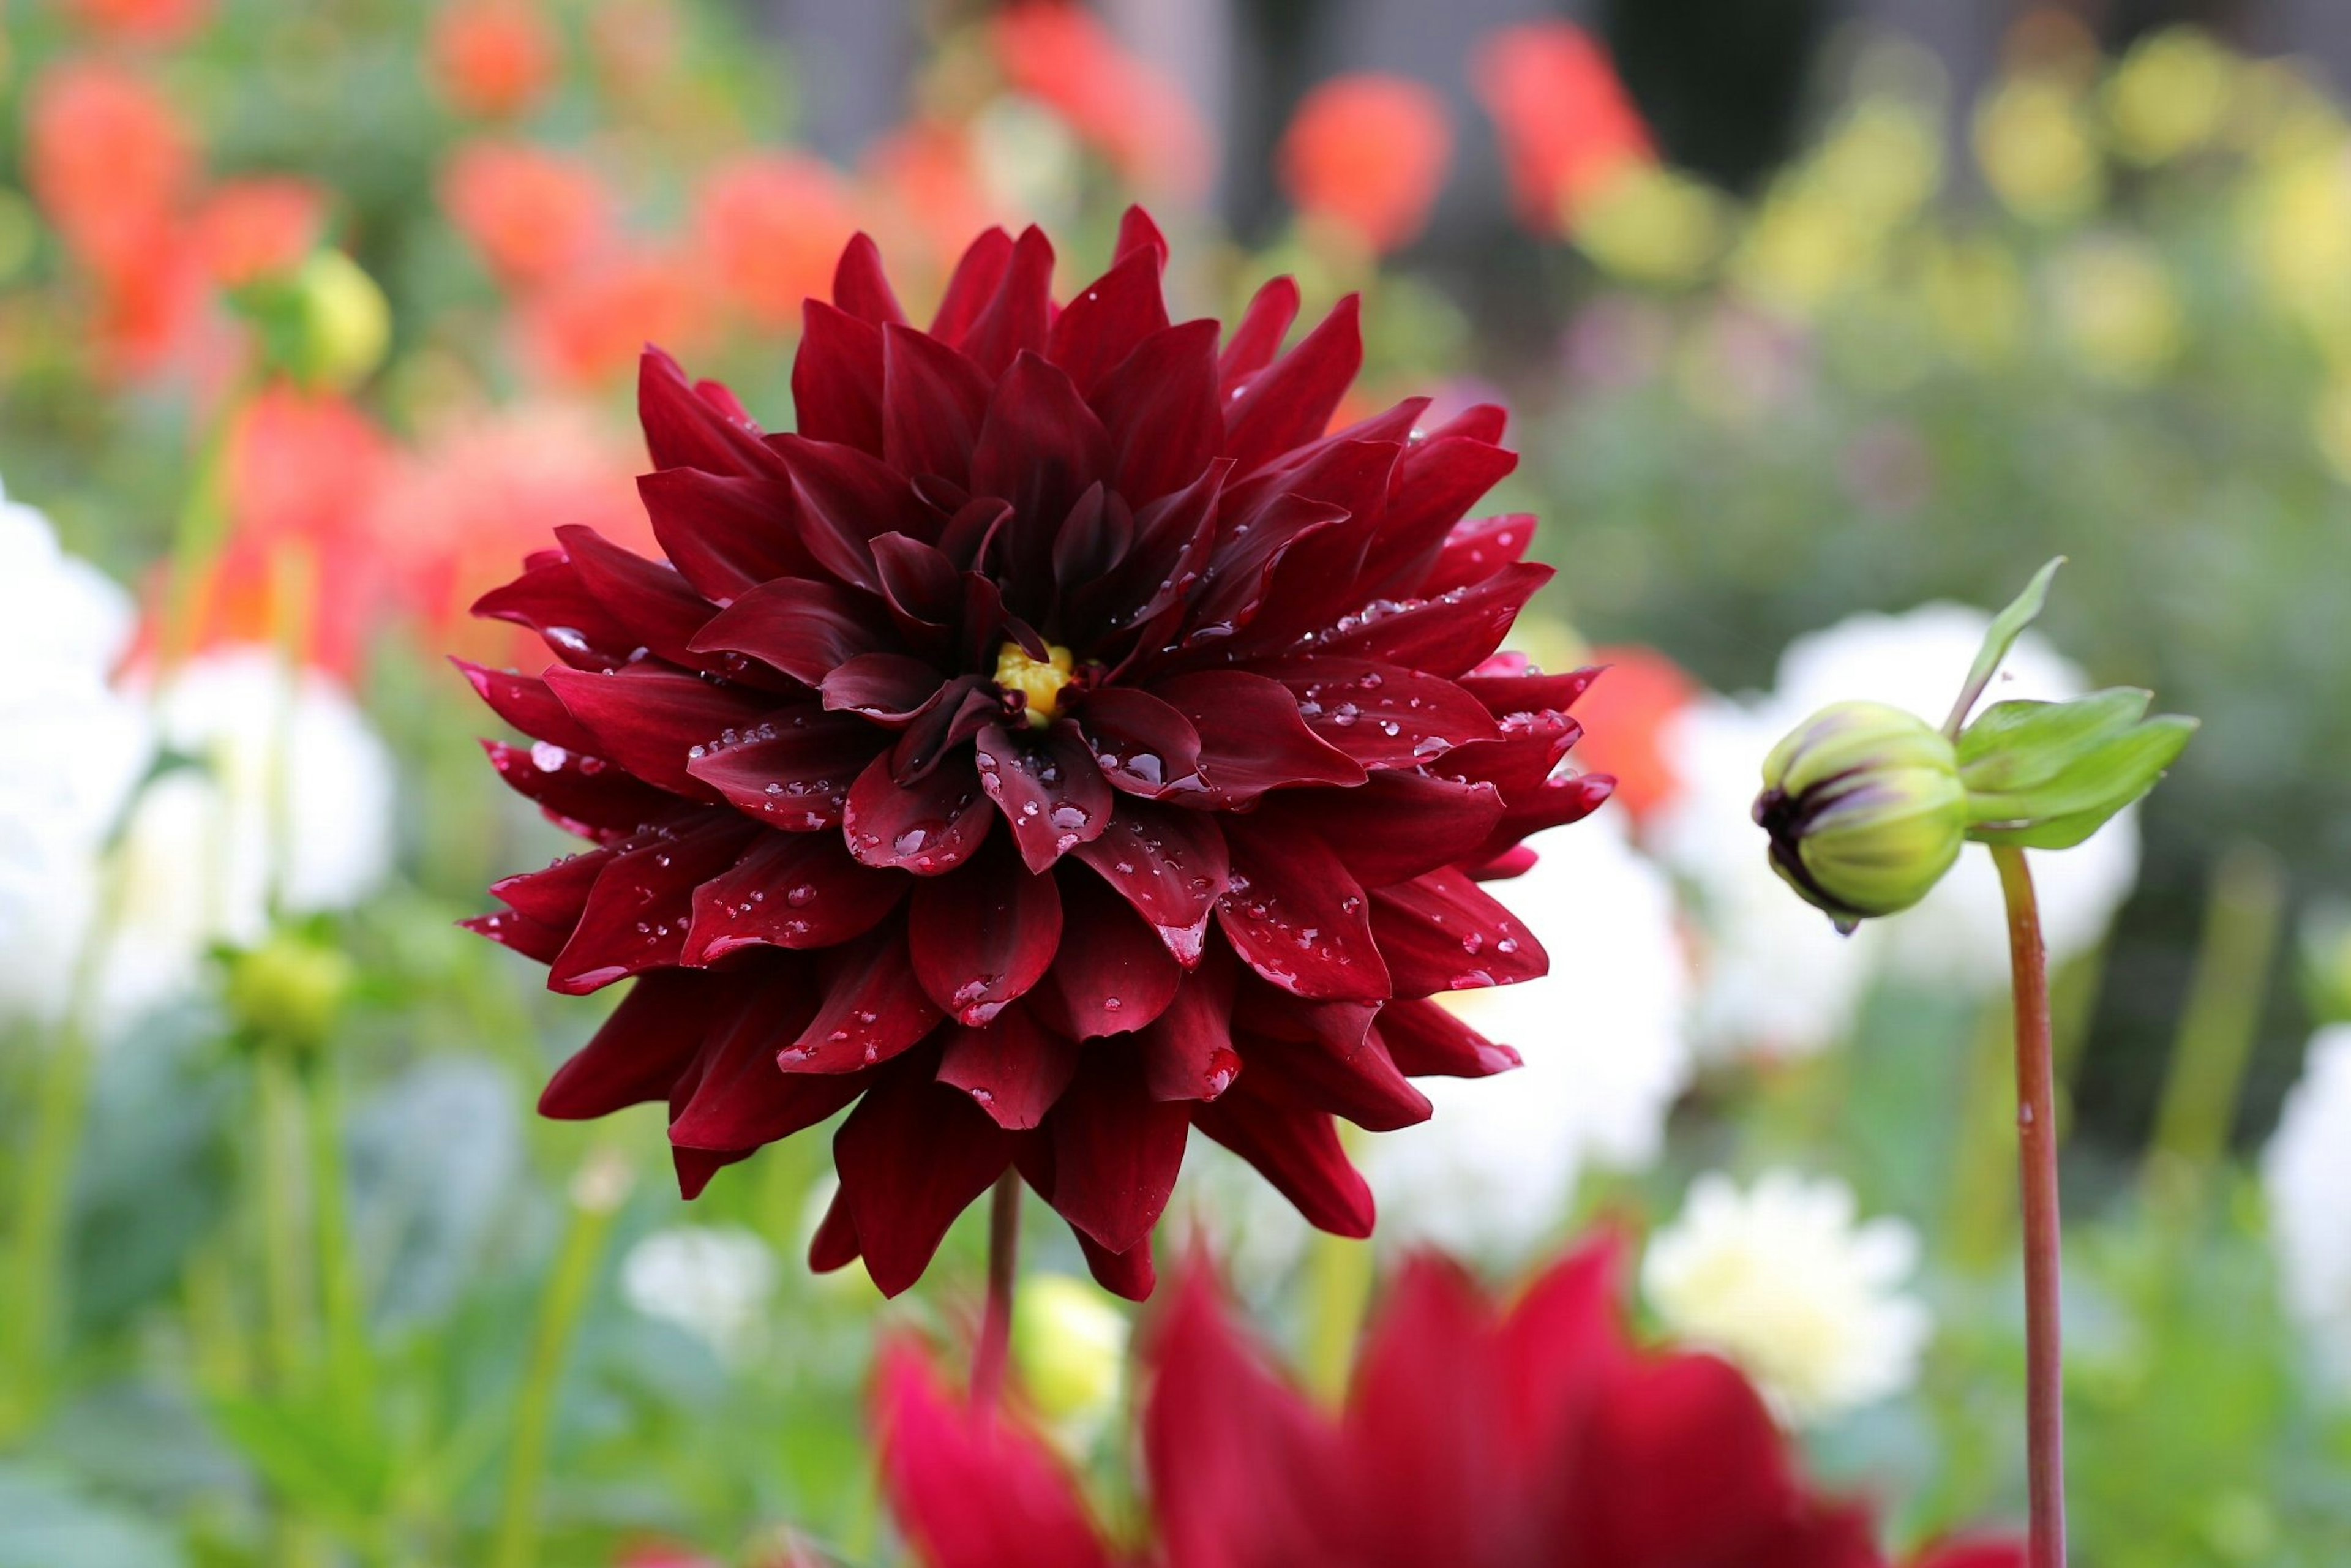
(1444, 636)
(1117, 1149)
(1257, 335)
(1015, 319)
(1160, 408)
(982, 937)
(1296, 917)
(554, 896)
(1298, 1151)
(1111, 975)
(836, 378)
(805, 628)
(635, 917)
(655, 722)
(792, 769)
(726, 533)
(1052, 796)
(911, 1156)
(1188, 1050)
(1040, 449)
(733, 1096)
(1130, 1274)
(860, 286)
(1014, 1068)
(1394, 825)
(577, 787)
(549, 599)
(1425, 1041)
(660, 606)
(1476, 550)
(1382, 715)
(1423, 1408)
(873, 1008)
(890, 689)
(973, 285)
(1292, 399)
(638, 1054)
(934, 401)
(928, 826)
(1172, 866)
(524, 702)
(529, 937)
(1251, 736)
(1442, 932)
(1142, 746)
(788, 890)
(1103, 324)
(687, 428)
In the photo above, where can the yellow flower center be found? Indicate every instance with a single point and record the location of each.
(1039, 681)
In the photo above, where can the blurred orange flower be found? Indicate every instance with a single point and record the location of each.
(493, 57)
(1625, 715)
(1368, 152)
(1565, 120)
(634, 45)
(249, 228)
(588, 326)
(931, 200)
(531, 213)
(773, 223)
(1137, 118)
(460, 511)
(142, 21)
(110, 161)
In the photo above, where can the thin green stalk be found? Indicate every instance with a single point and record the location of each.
(285, 1270)
(2222, 1016)
(36, 1271)
(351, 1363)
(597, 1191)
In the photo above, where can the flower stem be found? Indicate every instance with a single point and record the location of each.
(28, 1315)
(596, 1192)
(2036, 1130)
(1003, 1268)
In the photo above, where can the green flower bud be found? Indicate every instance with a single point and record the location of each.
(1069, 1345)
(1864, 807)
(326, 324)
(289, 990)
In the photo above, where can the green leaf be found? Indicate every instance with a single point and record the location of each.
(1999, 638)
(2014, 744)
(2061, 811)
(308, 1455)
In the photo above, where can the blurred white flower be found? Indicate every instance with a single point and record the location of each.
(289, 809)
(2306, 1172)
(1780, 1280)
(713, 1281)
(1604, 1038)
(1775, 980)
(71, 749)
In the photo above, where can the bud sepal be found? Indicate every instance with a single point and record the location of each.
(2046, 776)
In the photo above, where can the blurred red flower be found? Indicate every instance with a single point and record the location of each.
(531, 213)
(251, 228)
(1062, 54)
(142, 21)
(1476, 1435)
(1368, 152)
(1627, 715)
(478, 490)
(1059, 682)
(772, 224)
(112, 162)
(1566, 123)
(493, 57)
(586, 327)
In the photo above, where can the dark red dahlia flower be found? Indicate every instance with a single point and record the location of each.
(1058, 743)
(1535, 1437)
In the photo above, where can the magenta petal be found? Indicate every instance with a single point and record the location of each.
(725, 533)
(654, 722)
(873, 1008)
(928, 826)
(1298, 1152)
(1052, 796)
(1292, 399)
(1251, 736)
(1442, 932)
(933, 406)
(1426, 1041)
(1161, 409)
(637, 1054)
(982, 938)
(788, 890)
(793, 768)
(1171, 865)
(1113, 974)
(911, 1156)
(1142, 746)
(525, 703)
(803, 627)
(1188, 1050)
(1382, 715)
(1014, 1069)
(836, 378)
(1296, 916)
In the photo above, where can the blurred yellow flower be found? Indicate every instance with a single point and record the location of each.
(2297, 232)
(2170, 96)
(2036, 152)
(1826, 225)
(1975, 297)
(2115, 307)
(1652, 224)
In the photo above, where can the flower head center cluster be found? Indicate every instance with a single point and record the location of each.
(1038, 681)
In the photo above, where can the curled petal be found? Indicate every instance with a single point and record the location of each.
(1013, 1068)
(805, 628)
(1112, 974)
(928, 826)
(1142, 746)
(656, 723)
(788, 890)
(1251, 736)
(793, 768)
(983, 937)
(1053, 795)
(1298, 1151)
(873, 1008)
(1441, 932)
(1296, 917)
(1171, 865)
(525, 703)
